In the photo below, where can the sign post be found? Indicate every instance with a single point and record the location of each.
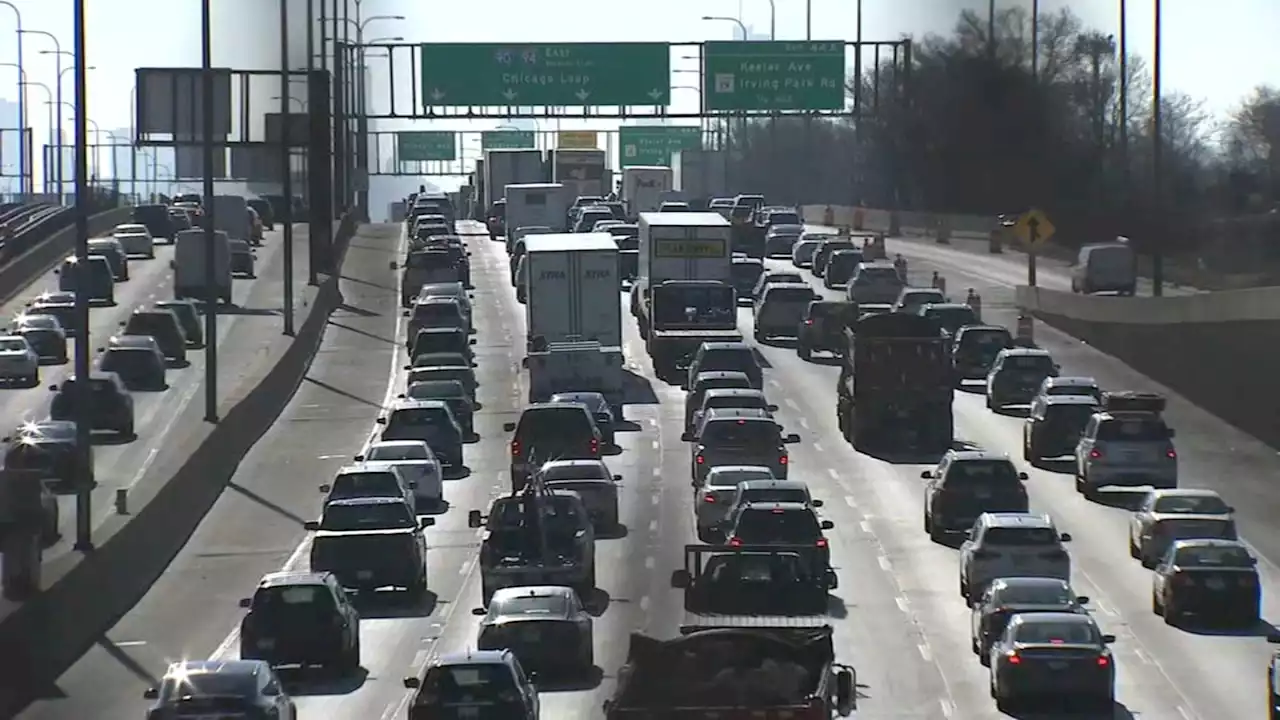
(1033, 227)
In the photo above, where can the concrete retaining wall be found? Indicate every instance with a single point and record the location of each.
(18, 273)
(912, 222)
(1218, 350)
(42, 638)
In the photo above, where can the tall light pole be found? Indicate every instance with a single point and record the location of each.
(62, 71)
(362, 105)
(724, 18)
(1157, 161)
(286, 167)
(211, 298)
(1124, 106)
(82, 397)
(57, 53)
(24, 162)
(97, 131)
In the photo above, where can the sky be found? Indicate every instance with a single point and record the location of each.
(1216, 55)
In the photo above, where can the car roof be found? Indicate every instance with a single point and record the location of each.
(523, 591)
(576, 396)
(1070, 400)
(133, 342)
(418, 404)
(1185, 492)
(367, 500)
(772, 505)
(726, 345)
(740, 468)
(473, 657)
(1210, 542)
(787, 285)
(739, 413)
(535, 407)
(292, 578)
(399, 443)
(1053, 617)
(221, 667)
(1071, 380)
(977, 454)
(1024, 351)
(1028, 581)
(572, 463)
(944, 306)
(719, 375)
(774, 484)
(1016, 520)
(733, 392)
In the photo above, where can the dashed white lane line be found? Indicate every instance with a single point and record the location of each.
(947, 708)
(833, 473)
(885, 565)
(653, 526)
(866, 527)
(902, 604)
(817, 447)
(925, 652)
(791, 403)
(649, 563)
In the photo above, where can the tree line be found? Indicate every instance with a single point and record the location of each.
(961, 124)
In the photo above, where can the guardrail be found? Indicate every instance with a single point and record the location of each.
(24, 266)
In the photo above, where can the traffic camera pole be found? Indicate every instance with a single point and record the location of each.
(210, 252)
(80, 393)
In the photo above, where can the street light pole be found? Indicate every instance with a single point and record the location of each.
(211, 289)
(1157, 161)
(286, 164)
(81, 395)
(24, 162)
(57, 54)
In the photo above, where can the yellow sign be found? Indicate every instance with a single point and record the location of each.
(577, 140)
(688, 248)
(1033, 227)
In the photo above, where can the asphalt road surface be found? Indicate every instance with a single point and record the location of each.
(897, 615)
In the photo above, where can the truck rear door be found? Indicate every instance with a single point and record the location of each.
(550, 310)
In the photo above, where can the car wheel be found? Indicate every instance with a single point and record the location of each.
(1133, 549)
(588, 657)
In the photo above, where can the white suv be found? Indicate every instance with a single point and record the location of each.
(1011, 545)
(18, 362)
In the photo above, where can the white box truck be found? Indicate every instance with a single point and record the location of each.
(505, 167)
(573, 316)
(537, 204)
(643, 186)
(585, 172)
(231, 215)
(683, 293)
(190, 270)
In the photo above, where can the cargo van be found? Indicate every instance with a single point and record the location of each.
(1105, 267)
(190, 277)
(101, 280)
(231, 215)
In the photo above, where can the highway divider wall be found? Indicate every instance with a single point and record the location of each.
(911, 222)
(46, 635)
(23, 269)
(1219, 350)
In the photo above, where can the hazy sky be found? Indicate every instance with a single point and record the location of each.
(1217, 53)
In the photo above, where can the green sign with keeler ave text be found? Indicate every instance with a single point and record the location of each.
(545, 74)
(654, 145)
(773, 75)
(506, 140)
(426, 146)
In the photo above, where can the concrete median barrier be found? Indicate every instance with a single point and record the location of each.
(1216, 349)
(43, 637)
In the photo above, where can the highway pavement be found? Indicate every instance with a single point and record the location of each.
(897, 615)
(160, 421)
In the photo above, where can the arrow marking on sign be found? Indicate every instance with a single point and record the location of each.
(437, 94)
(1033, 227)
(655, 93)
(582, 94)
(510, 94)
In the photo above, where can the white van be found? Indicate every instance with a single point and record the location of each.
(1105, 267)
(189, 274)
(231, 215)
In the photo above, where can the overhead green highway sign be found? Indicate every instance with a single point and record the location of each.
(506, 139)
(773, 75)
(653, 145)
(426, 146)
(545, 74)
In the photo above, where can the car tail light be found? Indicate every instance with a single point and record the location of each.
(822, 542)
(808, 321)
(1171, 454)
(515, 448)
(1013, 657)
(699, 459)
(1103, 661)
(1095, 453)
(735, 542)
(595, 446)
(709, 498)
(782, 459)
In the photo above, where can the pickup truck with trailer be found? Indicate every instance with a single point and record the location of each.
(896, 384)
(572, 315)
(682, 295)
(748, 667)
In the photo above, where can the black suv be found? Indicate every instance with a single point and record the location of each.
(163, 325)
(1054, 426)
(733, 356)
(779, 523)
(110, 404)
(156, 219)
(551, 431)
(441, 340)
(967, 484)
(822, 327)
(301, 618)
(976, 347)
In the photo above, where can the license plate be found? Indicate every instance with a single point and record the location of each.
(469, 711)
(1058, 665)
(364, 575)
(1215, 584)
(1019, 561)
(529, 634)
(982, 494)
(266, 643)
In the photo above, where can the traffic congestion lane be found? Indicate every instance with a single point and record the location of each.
(1163, 672)
(256, 524)
(252, 324)
(1211, 452)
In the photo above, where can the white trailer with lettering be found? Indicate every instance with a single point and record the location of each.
(573, 316)
(643, 188)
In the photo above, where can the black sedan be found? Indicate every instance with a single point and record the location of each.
(1210, 579)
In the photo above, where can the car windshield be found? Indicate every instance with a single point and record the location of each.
(127, 361)
(431, 374)
(1191, 505)
(744, 400)
(1048, 632)
(1036, 536)
(775, 494)
(953, 318)
(427, 312)
(747, 271)
(575, 471)
(12, 345)
(285, 601)
(365, 484)
(728, 360)
(760, 434)
(417, 417)
(452, 684)
(208, 684)
(594, 402)
(1038, 363)
(877, 276)
(1035, 594)
(553, 426)
(398, 451)
(366, 516)
(550, 605)
(1210, 556)
(684, 304)
(790, 295)
(436, 390)
(783, 278)
(805, 249)
(986, 473)
(784, 218)
(775, 525)
(1069, 415)
(987, 338)
(1133, 429)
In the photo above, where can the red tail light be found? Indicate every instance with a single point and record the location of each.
(515, 448)
(1103, 661)
(809, 321)
(1095, 454)
(1171, 454)
(1013, 657)
(700, 460)
(782, 459)
(709, 498)
(595, 446)
(822, 542)
(735, 542)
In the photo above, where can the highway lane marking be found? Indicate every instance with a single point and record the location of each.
(649, 563)
(328, 457)
(656, 499)
(805, 424)
(851, 502)
(817, 447)
(653, 526)
(656, 445)
(791, 403)
(1141, 655)
(925, 652)
(903, 604)
(657, 472)
(465, 567)
(885, 565)
(866, 527)
(644, 603)
(142, 470)
(130, 643)
(1186, 713)
(947, 707)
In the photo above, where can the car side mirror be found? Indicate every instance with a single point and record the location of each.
(425, 523)
(1023, 476)
(816, 503)
(381, 421)
(524, 362)
(360, 458)
(508, 427)
(681, 580)
(686, 437)
(412, 683)
(311, 525)
(393, 265)
(57, 271)
(968, 534)
(1065, 537)
(926, 475)
(771, 408)
(326, 488)
(846, 697)
(412, 484)
(53, 388)
(1082, 600)
(791, 439)
(617, 478)
(472, 331)
(479, 612)
(150, 694)
(246, 602)
(828, 525)
(472, 341)
(99, 349)
(1108, 639)
(408, 367)
(1230, 509)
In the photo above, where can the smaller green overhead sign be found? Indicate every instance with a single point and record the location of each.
(654, 145)
(427, 146)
